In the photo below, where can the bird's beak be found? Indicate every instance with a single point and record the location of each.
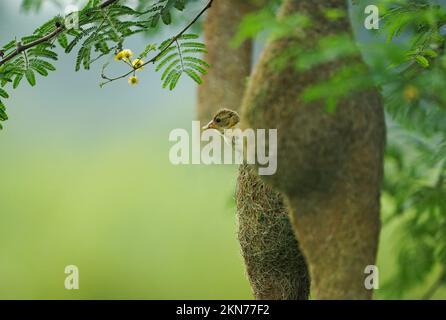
(210, 125)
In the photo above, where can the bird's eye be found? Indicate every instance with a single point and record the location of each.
(218, 120)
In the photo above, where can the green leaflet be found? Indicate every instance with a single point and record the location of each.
(3, 94)
(165, 15)
(193, 75)
(422, 61)
(63, 40)
(17, 80)
(169, 68)
(30, 76)
(161, 10)
(3, 115)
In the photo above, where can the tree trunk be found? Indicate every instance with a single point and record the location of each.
(275, 267)
(225, 83)
(329, 164)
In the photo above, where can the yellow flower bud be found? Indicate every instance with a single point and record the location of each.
(119, 56)
(133, 81)
(138, 64)
(124, 55)
(127, 53)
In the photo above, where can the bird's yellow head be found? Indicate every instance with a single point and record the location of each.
(224, 119)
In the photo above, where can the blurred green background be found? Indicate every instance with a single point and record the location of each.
(86, 180)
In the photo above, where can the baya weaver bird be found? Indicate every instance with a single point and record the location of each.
(223, 119)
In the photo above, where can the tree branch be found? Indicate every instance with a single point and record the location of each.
(174, 39)
(21, 48)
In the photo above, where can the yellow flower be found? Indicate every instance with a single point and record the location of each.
(124, 55)
(138, 64)
(133, 81)
(127, 54)
(119, 56)
(410, 93)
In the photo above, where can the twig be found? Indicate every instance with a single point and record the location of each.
(20, 48)
(181, 55)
